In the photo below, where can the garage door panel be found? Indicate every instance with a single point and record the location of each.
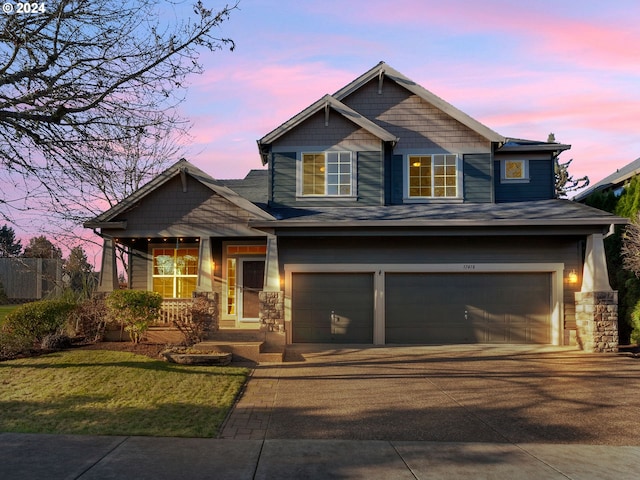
(332, 307)
(467, 308)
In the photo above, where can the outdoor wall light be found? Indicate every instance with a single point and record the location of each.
(573, 277)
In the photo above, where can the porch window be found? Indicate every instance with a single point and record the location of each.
(433, 176)
(175, 272)
(327, 174)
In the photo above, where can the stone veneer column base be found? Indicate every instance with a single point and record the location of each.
(597, 321)
(272, 311)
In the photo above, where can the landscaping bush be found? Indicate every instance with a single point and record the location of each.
(12, 345)
(635, 324)
(196, 320)
(55, 341)
(135, 309)
(89, 318)
(33, 321)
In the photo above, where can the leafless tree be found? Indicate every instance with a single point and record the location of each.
(88, 96)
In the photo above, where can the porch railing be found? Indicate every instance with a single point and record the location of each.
(173, 309)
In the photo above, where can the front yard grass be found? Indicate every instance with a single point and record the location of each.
(101, 392)
(4, 311)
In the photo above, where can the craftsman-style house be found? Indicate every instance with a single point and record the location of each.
(385, 216)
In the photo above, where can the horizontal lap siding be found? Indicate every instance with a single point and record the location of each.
(417, 123)
(477, 178)
(370, 183)
(539, 187)
(283, 180)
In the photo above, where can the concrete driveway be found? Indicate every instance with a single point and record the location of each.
(487, 394)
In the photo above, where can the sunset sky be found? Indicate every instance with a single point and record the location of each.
(524, 69)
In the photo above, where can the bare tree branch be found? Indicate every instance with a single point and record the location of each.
(88, 97)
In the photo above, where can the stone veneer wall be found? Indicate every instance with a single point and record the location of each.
(272, 311)
(213, 310)
(597, 321)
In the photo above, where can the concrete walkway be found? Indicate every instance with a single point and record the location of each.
(403, 412)
(53, 457)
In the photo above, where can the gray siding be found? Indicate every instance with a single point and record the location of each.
(140, 270)
(539, 187)
(283, 179)
(396, 179)
(169, 211)
(417, 123)
(477, 178)
(370, 183)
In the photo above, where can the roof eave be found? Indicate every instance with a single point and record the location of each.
(326, 101)
(605, 221)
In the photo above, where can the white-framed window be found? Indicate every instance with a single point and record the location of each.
(175, 271)
(327, 174)
(514, 171)
(436, 176)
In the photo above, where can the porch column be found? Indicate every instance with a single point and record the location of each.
(271, 268)
(595, 277)
(108, 269)
(205, 266)
(596, 302)
(271, 297)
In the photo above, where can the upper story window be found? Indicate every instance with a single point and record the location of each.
(514, 171)
(327, 174)
(434, 176)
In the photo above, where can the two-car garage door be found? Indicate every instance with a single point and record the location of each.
(422, 308)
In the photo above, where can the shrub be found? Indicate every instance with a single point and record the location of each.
(33, 321)
(12, 345)
(55, 341)
(135, 309)
(89, 318)
(635, 324)
(195, 321)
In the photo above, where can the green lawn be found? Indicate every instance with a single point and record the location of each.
(101, 392)
(4, 311)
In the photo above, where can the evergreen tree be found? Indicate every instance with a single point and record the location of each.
(9, 247)
(41, 247)
(621, 279)
(79, 270)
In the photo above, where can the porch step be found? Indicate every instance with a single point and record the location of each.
(244, 351)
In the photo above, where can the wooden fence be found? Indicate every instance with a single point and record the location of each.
(26, 279)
